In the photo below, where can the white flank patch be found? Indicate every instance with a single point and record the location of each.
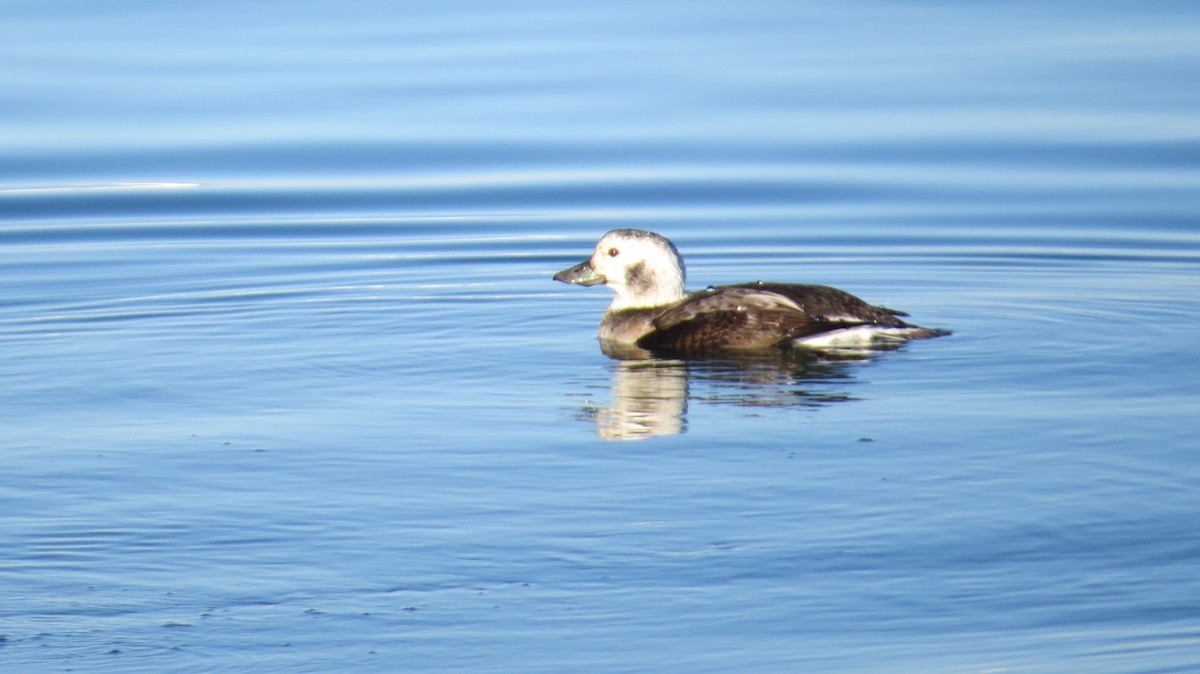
(856, 337)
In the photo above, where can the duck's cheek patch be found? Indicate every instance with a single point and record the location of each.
(639, 279)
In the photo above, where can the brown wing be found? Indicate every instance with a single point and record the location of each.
(758, 316)
(836, 308)
(728, 318)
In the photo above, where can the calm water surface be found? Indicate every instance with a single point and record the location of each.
(287, 385)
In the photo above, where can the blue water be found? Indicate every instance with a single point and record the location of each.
(287, 385)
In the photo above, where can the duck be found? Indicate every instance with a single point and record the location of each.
(654, 312)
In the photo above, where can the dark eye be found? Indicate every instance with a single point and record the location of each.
(613, 252)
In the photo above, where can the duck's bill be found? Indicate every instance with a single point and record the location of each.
(581, 274)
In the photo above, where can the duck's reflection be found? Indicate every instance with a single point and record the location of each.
(649, 398)
(650, 395)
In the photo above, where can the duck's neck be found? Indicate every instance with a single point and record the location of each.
(655, 301)
(627, 326)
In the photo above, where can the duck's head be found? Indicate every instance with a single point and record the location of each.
(643, 268)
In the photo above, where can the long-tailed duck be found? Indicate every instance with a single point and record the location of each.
(652, 311)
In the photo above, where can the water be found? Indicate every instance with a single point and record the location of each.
(288, 387)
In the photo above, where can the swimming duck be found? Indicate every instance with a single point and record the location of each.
(653, 311)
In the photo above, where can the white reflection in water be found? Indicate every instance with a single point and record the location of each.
(650, 396)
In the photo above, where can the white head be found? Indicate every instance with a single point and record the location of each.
(643, 268)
